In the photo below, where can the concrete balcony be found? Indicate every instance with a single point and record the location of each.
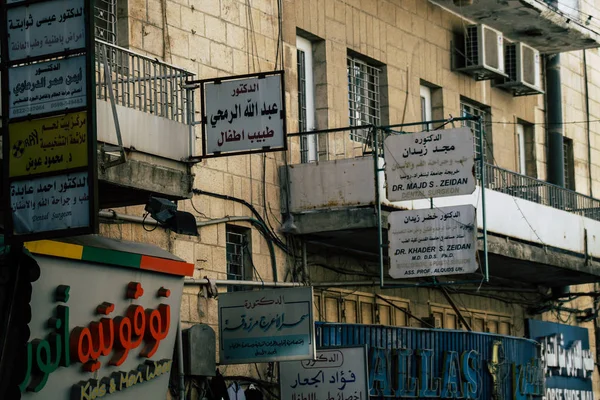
(550, 26)
(154, 113)
(538, 234)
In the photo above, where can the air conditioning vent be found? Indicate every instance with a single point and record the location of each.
(479, 53)
(522, 65)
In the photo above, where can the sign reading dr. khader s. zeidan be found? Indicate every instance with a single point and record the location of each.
(336, 373)
(429, 164)
(433, 242)
(266, 325)
(49, 152)
(567, 359)
(244, 114)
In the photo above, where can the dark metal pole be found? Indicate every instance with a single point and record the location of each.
(554, 127)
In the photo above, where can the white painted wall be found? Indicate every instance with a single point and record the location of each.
(145, 132)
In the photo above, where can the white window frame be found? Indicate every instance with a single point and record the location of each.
(426, 110)
(520, 139)
(308, 143)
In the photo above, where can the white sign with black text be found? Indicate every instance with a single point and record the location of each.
(433, 242)
(244, 115)
(429, 164)
(50, 203)
(47, 87)
(334, 374)
(45, 28)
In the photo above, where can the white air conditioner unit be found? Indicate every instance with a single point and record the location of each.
(523, 67)
(480, 53)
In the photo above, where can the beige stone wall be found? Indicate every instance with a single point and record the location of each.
(411, 38)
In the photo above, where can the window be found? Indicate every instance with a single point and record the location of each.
(306, 100)
(525, 144)
(426, 112)
(105, 20)
(521, 148)
(468, 109)
(569, 164)
(363, 96)
(239, 261)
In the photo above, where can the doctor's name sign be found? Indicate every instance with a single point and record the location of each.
(113, 338)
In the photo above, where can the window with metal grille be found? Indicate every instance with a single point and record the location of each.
(105, 20)
(472, 110)
(237, 242)
(363, 96)
(306, 103)
(569, 164)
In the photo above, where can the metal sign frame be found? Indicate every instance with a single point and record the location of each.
(91, 168)
(283, 112)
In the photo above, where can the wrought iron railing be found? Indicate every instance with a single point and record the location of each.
(537, 191)
(143, 83)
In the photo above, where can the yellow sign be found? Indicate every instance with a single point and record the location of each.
(48, 144)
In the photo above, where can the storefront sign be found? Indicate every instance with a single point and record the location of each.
(244, 115)
(429, 164)
(45, 28)
(339, 374)
(567, 359)
(47, 87)
(433, 242)
(112, 338)
(50, 203)
(266, 325)
(458, 365)
(49, 144)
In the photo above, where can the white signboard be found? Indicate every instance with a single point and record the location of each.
(266, 325)
(335, 374)
(433, 242)
(429, 164)
(50, 203)
(47, 87)
(45, 28)
(244, 115)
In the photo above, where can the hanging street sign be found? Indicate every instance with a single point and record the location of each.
(266, 325)
(432, 242)
(244, 114)
(429, 164)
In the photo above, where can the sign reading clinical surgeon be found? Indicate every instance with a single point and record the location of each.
(432, 242)
(266, 325)
(98, 329)
(244, 114)
(429, 164)
(337, 373)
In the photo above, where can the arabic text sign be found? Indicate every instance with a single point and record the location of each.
(45, 28)
(47, 87)
(244, 114)
(334, 374)
(429, 164)
(433, 242)
(266, 325)
(567, 359)
(49, 144)
(51, 203)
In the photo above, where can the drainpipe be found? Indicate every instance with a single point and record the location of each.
(587, 123)
(554, 132)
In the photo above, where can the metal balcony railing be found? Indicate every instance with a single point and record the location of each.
(336, 144)
(143, 83)
(537, 191)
